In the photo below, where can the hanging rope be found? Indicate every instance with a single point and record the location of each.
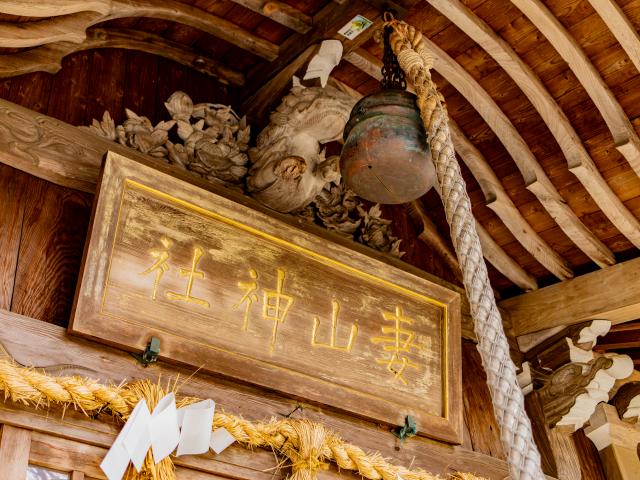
(308, 446)
(508, 400)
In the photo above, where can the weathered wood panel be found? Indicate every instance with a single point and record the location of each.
(12, 198)
(53, 233)
(32, 342)
(482, 425)
(14, 452)
(236, 292)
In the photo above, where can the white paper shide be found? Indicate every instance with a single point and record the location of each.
(167, 427)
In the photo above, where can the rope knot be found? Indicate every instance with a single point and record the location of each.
(307, 449)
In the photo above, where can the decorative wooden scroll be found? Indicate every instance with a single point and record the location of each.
(239, 293)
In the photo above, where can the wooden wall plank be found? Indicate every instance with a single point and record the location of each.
(106, 94)
(69, 90)
(54, 230)
(15, 444)
(12, 196)
(481, 422)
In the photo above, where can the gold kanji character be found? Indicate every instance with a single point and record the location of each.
(276, 305)
(191, 273)
(334, 327)
(399, 340)
(250, 297)
(160, 266)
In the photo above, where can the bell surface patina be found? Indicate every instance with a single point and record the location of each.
(385, 157)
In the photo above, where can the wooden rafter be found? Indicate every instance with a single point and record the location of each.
(624, 135)
(496, 196)
(78, 21)
(499, 201)
(48, 58)
(579, 161)
(621, 27)
(535, 178)
(280, 12)
(610, 294)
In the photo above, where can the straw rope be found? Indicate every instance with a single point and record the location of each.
(508, 400)
(308, 446)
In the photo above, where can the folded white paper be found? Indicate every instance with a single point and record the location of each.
(137, 439)
(220, 440)
(327, 58)
(131, 444)
(195, 423)
(165, 432)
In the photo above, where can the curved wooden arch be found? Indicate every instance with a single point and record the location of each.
(65, 28)
(621, 27)
(495, 195)
(499, 201)
(624, 135)
(40, 33)
(53, 8)
(48, 58)
(579, 161)
(535, 178)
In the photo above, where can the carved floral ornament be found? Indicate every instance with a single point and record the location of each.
(287, 170)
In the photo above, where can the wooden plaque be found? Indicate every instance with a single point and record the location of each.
(237, 292)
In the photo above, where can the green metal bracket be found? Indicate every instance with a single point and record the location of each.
(150, 354)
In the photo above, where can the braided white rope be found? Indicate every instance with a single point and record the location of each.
(508, 400)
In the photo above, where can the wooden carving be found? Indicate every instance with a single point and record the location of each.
(627, 401)
(571, 393)
(290, 171)
(214, 139)
(572, 344)
(289, 168)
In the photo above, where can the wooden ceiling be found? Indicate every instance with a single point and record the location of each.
(545, 97)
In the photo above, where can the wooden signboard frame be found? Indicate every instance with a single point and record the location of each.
(137, 204)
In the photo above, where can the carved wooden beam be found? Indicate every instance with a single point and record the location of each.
(612, 294)
(48, 58)
(572, 392)
(624, 135)
(573, 344)
(579, 161)
(627, 401)
(495, 195)
(40, 32)
(53, 8)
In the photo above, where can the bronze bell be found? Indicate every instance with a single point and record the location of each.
(386, 157)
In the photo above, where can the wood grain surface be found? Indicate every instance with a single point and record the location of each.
(233, 291)
(32, 342)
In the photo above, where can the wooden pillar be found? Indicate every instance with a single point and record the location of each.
(15, 444)
(617, 442)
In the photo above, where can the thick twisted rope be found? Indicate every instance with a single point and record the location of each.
(508, 400)
(309, 446)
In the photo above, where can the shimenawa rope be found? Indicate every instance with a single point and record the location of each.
(308, 446)
(508, 400)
